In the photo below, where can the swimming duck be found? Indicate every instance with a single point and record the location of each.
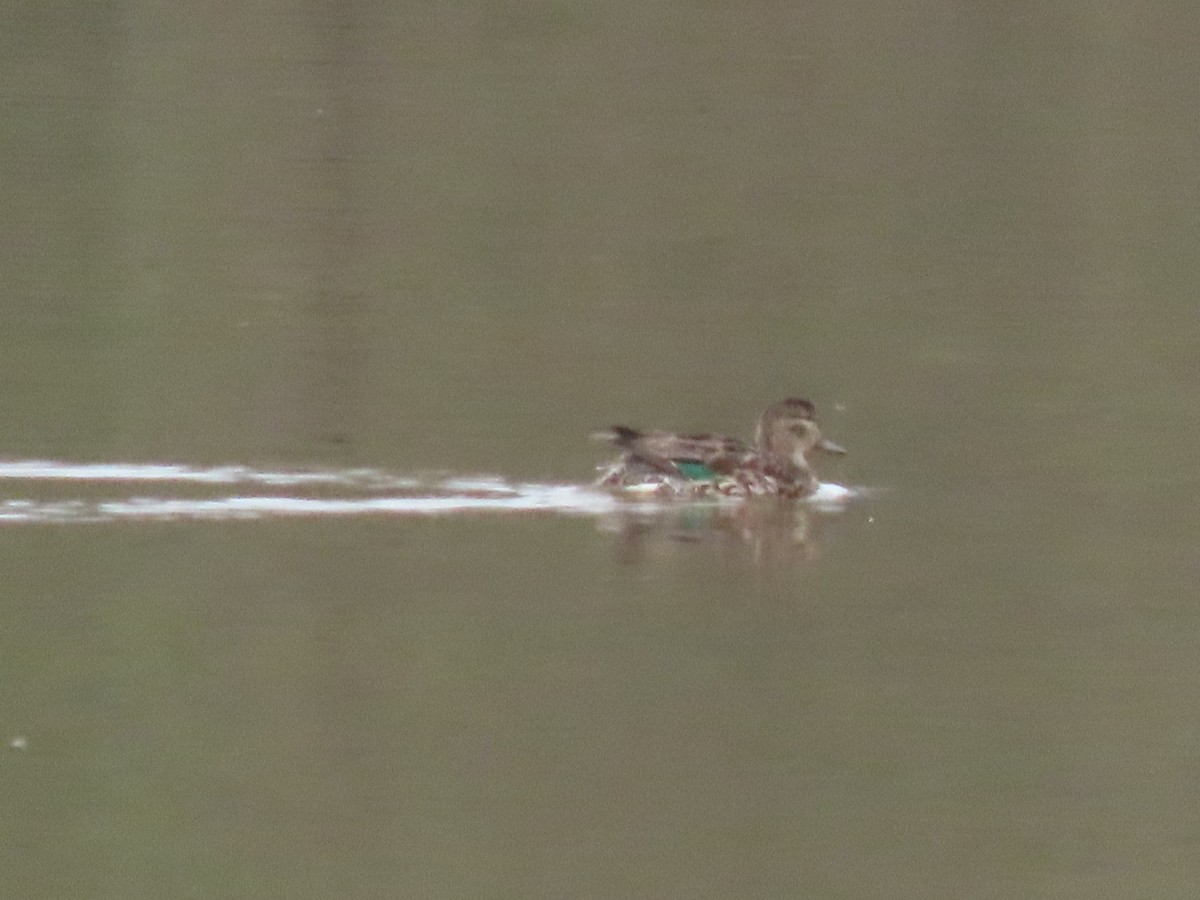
(698, 465)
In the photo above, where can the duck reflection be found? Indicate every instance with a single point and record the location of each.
(767, 530)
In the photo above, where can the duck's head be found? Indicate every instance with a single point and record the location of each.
(789, 428)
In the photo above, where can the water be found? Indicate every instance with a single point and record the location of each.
(306, 315)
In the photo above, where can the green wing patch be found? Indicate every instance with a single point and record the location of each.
(694, 470)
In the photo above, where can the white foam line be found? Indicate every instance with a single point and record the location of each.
(50, 470)
(561, 499)
(564, 499)
(832, 496)
(456, 494)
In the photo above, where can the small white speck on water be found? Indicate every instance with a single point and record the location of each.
(20, 742)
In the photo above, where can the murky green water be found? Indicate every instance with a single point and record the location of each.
(437, 244)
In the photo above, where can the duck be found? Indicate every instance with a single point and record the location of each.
(776, 464)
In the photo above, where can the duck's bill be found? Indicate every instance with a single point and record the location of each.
(830, 447)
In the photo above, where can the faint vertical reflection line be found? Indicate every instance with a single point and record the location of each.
(334, 318)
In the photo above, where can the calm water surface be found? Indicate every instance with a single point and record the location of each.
(397, 246)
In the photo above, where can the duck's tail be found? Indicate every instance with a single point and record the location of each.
(621, 435)
(634, 454)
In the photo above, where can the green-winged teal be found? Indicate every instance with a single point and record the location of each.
(776, 464)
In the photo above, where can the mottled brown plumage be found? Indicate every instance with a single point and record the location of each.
(776, 464)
